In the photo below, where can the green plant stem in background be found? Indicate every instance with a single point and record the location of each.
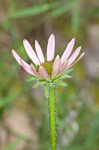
(52, 117)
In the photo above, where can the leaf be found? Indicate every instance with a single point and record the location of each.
(94, 12)
(30, 11)
(75, 19)
(7, 99)
(72, 148)
(67, 72)
(31, 79)
(7, 24)
(92, 136)
(61, 83)
(62, 9)
(13, 145)
(38, 83)
(65, 76)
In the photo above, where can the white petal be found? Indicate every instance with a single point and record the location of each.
(68, 50)
(39, 52)
(22, 63)
(34, 70)
(30, 52)
(56, 66)
(74, 56)
(43, 73)
(76, 60)
(63, 66)
(51, 48)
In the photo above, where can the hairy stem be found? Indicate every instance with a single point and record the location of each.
(52, 117)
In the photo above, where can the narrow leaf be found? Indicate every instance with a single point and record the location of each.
(62, 9)
(30, 11)
(61, 83)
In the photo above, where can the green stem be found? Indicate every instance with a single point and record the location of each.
(52, 117)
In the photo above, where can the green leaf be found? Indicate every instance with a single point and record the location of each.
(31, 79)
(61, 83)
(38, 83)
(63, 8)
(93, 137)
(72, 148)
(94, 12)
(75, 19)
(65, 76)
(7, 99)
(68, 71)
(13, 145)
(7, 24)
(30, 11)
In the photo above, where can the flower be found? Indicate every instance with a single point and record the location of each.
(53, 66)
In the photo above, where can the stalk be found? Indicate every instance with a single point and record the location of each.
(52, 117)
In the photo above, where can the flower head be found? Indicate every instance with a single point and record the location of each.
(53, 66)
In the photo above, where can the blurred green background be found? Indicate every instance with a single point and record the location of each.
(23, 109)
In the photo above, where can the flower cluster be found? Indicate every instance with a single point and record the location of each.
(53, 66)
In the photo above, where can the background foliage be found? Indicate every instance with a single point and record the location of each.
(77, 104)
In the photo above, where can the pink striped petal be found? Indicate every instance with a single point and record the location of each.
(74, 56)
(34, 70)
(68, 51)
(30, 52)
(43, 73)
(39, 52)
(22, 63)
(63, 66)
(76, 60)
(51, 48)
(56, 66)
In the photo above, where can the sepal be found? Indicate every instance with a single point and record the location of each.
(52, 82)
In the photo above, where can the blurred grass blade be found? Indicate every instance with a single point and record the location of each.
(93, 136)
(94, 12)
(75, 19)
(7, 99)
(73, 147)
(62, 9)
(30, 11)
(13, 145)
